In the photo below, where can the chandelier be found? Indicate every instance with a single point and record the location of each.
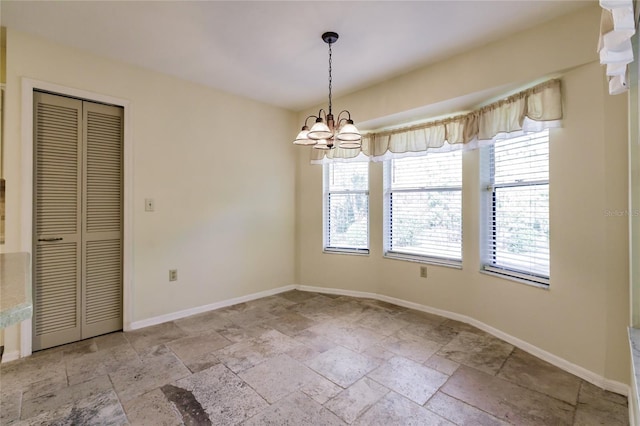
(326, 131)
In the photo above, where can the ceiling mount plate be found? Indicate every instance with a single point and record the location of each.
(330, 37)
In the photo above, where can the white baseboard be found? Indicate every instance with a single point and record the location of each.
(583, 373)
(205, 308)
(10, 356)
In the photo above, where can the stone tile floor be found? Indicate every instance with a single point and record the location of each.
(300, 358)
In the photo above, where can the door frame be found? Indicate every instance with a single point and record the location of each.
(26, 242)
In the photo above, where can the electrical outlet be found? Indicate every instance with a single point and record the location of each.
(423, 272)
(173, 275)
(149, 205)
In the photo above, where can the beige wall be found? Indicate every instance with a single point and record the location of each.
(583, 316)
(634, 206)
(218, 166)
(634, 180)
(3, 53)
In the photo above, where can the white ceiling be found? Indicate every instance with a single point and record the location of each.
(271, 51)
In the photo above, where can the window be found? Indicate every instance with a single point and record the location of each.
(346, 207)
(423, 208)
(516, 231)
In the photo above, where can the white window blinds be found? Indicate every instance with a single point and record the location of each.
(346, 207)
(517, 207)
(423, 208)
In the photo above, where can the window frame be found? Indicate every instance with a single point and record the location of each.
(489, 219)
(388, 251)
(326, 193)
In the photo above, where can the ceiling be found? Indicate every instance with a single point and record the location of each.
(271, 51)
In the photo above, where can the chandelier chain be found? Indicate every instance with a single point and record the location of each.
(330, 79)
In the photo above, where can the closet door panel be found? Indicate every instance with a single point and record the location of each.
(102, 210)
(57, 220)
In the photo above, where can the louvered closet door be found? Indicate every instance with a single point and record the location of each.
(102, 225)
(57, 221)
(77, 220)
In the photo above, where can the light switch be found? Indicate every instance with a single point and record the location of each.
(149, 205)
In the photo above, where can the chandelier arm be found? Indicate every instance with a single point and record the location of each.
(340, 115)
(306, 120)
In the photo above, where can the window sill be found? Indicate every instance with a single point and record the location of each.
(346, 251)
(516, 279)
(426, 260)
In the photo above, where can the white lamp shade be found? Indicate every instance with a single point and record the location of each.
(350, 144)
(321, 144)
(303, 139)
(320, 131)
(349, 132)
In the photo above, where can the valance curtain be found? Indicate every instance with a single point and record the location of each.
(617, 26)
(531, 110)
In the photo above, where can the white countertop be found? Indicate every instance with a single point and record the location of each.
(15, 288)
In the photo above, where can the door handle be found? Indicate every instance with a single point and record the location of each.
(50, 239)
